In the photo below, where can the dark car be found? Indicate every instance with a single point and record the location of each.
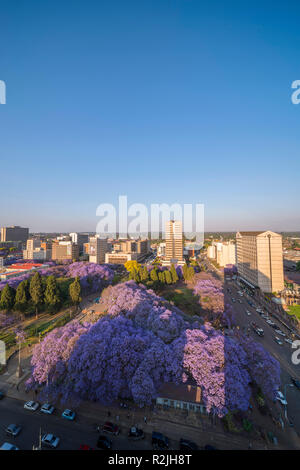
(135, 434)
(296, 382)
(111, 428)
(209, 447)
(187, 445)
(159, 441)
(104, 443)
(1, 395)
(13, 430)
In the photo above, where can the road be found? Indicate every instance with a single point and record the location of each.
(283, 353)
(71, 434)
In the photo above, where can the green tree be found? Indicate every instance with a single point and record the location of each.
(75, 291)
(153, 275)
(144, 274)
(174, 274)
(7, 298)
(190, 273)
(36, 291)
(21, 299)
(168, 277)
(185, 272)
(161, 277)
(52, 296)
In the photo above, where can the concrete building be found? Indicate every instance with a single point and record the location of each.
(120, 257)
(161, 250)
(174, 243)
(80, 239)
(64, 250)
(222, 252)
(97, 250)
(260, 260)
(14, 233)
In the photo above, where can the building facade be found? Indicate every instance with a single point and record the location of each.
(260, 260)
(97, 250)
(14, 233)
(174, 243)
(64, 250)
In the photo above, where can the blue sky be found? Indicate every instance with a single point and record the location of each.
(163, 101)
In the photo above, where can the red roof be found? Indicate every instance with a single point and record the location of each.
(25, 265)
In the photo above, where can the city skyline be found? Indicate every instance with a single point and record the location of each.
(160, 102)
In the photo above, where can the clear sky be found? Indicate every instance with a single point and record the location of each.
(183, 101)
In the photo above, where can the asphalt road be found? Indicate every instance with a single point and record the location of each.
(283, 353)
(71, 434)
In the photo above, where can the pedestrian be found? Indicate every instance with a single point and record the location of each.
(145, 419)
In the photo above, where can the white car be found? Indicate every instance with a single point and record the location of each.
(50, 440)
(277, 340)
(279, 332)
(47, 409)
(288, 340)
(248, 313)
(8, 446)
(31, 405)
(280, 397)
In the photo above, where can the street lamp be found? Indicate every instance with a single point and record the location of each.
(285, 406)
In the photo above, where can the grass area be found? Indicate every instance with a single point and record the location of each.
(183, 298)
(34, 329)
(294, 310)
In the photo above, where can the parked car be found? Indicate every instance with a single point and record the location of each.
(277, 340)
(47, 409)
(110, 428)
(296, 382)
(8, 446)
(68, 414)
(49, 440)
(104, 443)
(13, 430)
(280, 397)
(279, 332)
(31, 405)
(186, 445)
(85, 447)
(2, 395)
(159, 441)
(135, 434)
(288, 340)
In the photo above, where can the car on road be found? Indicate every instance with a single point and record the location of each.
(279, 332)
(288, 340)
(280, 397)
(186, 445)
(135, 433)
(159, 441)
(49, 440)
(13, 430)
(104, 443)
(2, 395)
(85, 447)
(111, 428)
(31, 405)
(277, 340)
(265, 317)
(233, 299)
(68, 414)
(296, 382)
(248, 313)
(270, 322)
(47, 409)
(8, 446)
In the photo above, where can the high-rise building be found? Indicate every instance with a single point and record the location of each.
(97, 249)
(223, 252)
(64, 250)
(260, 260)
(14, 233)
(174, 243)
(80, 239)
